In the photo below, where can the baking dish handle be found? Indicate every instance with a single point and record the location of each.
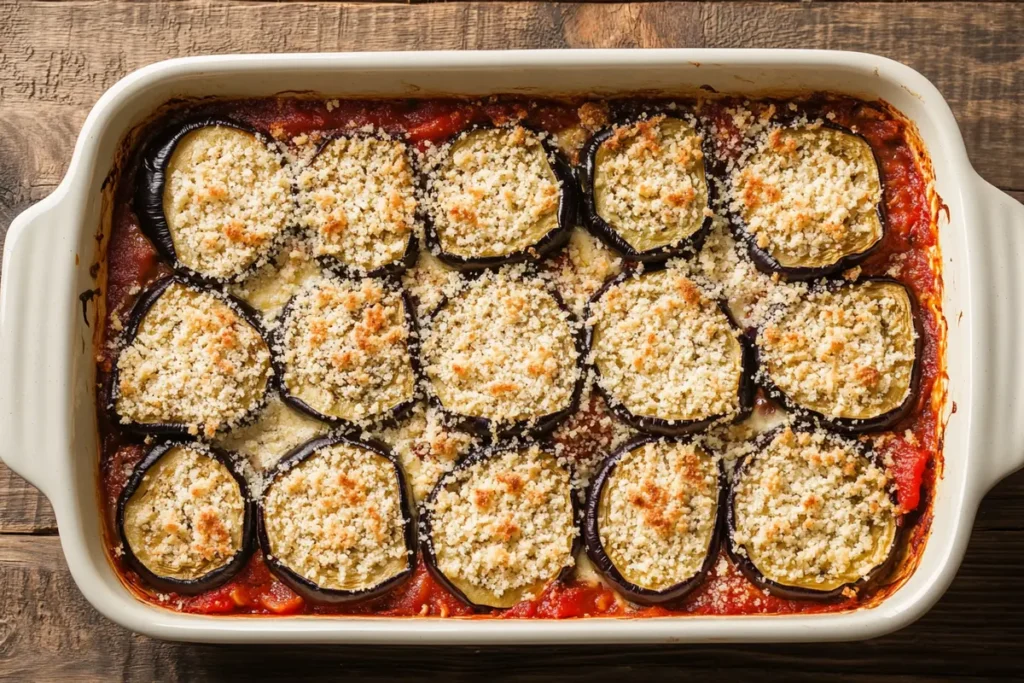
(997, 298)
(35, 394)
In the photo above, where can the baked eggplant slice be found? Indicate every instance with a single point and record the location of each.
(668, 360)
(645, 189)
(652, 518)
(185, 519)
(846, 353)
(495, 196)
(193, 362)
(812, 515)
(808, 201)
(334, 521)
(501, 526)
(503, 357)
(347, 351)
(357, 198)
(214, 198)
(272, 434)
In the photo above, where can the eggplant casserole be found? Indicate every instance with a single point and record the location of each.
(518, 358)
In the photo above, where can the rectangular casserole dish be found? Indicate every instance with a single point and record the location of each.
(48, 418)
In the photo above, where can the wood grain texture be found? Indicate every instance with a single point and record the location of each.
(57, 58)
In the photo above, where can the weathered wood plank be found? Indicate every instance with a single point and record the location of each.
(64, 53)
(48, 632)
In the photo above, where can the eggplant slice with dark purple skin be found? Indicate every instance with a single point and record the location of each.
(646, 191)
(347, 351)
(193, 362)
(357, 197)
(214, 198)
(847, 353)
(185, 519)
(652, 524)
(501, 526)
(334, 521)
(808, 201)
(812, 515)
(504, 356)
(497, 195)
(668, 360)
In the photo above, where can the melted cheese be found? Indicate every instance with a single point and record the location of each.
(336, 519)
(277, 430)
(226, 200)
(186, 518)
(195, 361)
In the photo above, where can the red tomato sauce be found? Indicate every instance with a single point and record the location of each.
(914, 446)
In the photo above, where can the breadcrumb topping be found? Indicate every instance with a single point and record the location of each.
(503, 527)
(336, 519)
(345, 347)
(502, 349)
(657, 513)
(492, 192)
(665, 350)
(811, 511)
(357, 197)
(649, 182)
(846, 352)
(226, 200)
(187, 516)
(194, 360)
(809, 195)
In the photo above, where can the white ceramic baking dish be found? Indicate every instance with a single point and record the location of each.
(47, 412)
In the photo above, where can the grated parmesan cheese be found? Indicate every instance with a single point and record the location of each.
(345, 349)
(187, 515)
(357, 197)
(811, 511)
(492, 192)
(846, 352)
(809, 196)
(503, 527)
(194, 360)
(336, 519)
(226, 200)
(649, 182)
(665, 350)
(658, 512)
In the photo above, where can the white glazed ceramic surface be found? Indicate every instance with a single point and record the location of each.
(47, 412)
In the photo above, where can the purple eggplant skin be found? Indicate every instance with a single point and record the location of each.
(553, 241)
(538, 428)
(138, 312)
(659, 426)
(766, 263)
(747, 567)
(603, 563)
(218, 576)
(307, 589)
(606, 232)
(392, 417)
(425, 516)
(878, 423)
(390, 269)
(149, 193)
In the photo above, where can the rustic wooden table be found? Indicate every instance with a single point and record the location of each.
(56, 58)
